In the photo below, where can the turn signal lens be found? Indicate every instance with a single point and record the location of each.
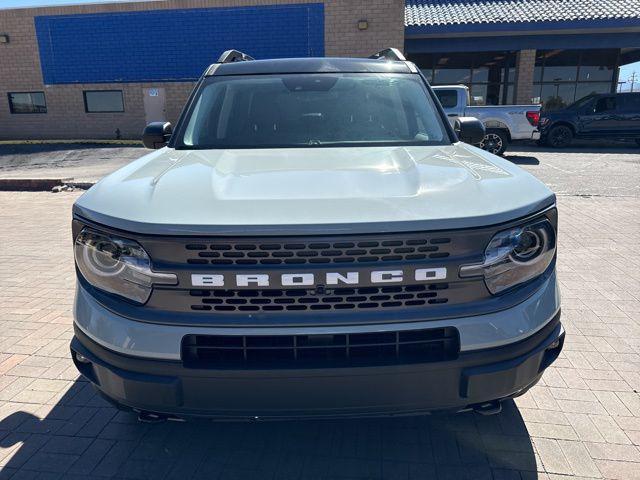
(515, 256)
(117, 265)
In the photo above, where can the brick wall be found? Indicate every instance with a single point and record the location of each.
(65, 118)
(525, 64)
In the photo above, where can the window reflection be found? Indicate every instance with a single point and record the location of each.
(563, 76)
(489, 75)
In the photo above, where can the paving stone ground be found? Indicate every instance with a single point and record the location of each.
(581, 421)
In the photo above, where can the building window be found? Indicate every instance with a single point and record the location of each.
(563, 76)
(27, 102)
(103, 101)
(489, 75)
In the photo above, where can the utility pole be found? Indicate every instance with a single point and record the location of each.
(633, 78)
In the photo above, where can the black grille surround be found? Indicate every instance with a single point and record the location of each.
(321, 350)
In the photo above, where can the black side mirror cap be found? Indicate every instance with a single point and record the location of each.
(156, 135)
(469, 130)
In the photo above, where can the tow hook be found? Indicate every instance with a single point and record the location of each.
(489, 408)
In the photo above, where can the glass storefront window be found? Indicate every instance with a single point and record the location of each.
(584, 89)
(559, 95)
(451, 76)
(562, 76)
(487, 74)
(560, 65)
(595, 73)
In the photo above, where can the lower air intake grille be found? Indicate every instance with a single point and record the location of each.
(321, 350)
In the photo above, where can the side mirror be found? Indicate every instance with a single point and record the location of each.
(469, 130)
(156, 135)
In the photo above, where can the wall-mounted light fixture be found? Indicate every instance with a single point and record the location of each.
(4, 38)
(363, 24)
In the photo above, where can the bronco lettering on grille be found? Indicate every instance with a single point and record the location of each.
(355, 278)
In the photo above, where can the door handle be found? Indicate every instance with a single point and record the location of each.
(452, 114)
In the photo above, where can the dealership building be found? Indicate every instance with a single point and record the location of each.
(102, 71)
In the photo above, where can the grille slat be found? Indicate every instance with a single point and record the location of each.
(310, 252)
(321, 350)
(339, 298)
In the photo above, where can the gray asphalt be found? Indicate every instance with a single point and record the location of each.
(81, 163)
(591, 171)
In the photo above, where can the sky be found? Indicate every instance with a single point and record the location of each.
(626, 72)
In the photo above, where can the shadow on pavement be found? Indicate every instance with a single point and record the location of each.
(522, 159)
(83, 437)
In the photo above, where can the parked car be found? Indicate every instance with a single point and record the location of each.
(313, 239)
(610, 116)
(504, 124)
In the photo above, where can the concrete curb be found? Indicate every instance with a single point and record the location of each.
(131, 143)
(41, 184)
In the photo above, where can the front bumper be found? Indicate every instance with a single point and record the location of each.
(167, 387)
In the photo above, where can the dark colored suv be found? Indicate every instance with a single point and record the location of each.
(612, 116)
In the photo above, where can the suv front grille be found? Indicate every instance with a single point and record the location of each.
(320, 350)
(317, 252)
(275, 256)
(274, 300)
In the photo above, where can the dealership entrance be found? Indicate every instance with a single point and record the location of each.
(508, 55)
(560, 76)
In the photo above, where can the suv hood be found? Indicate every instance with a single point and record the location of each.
(297, 190)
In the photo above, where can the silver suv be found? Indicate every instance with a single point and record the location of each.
(313, 239)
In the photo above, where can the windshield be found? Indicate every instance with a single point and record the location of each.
(296, 110)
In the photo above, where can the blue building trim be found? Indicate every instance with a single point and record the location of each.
(521, 42)
(171, 45)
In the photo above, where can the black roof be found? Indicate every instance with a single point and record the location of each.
(309, 65)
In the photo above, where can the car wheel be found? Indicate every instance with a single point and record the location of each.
(494, 141)
(559, 136)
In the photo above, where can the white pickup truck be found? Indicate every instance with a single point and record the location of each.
(504, 124)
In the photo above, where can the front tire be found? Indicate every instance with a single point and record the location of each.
(494, 141)
(560, 136)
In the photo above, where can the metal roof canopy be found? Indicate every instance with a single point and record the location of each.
(470, 14)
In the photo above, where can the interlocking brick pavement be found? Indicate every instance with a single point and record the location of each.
(581, 421)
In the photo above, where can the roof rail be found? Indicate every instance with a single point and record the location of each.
(234, 56)
(389, 54)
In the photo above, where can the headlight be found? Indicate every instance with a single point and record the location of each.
(515, 256)
(117, 265)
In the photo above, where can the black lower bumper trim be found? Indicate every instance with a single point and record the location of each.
(171, 389)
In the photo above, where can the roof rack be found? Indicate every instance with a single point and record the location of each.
(234, 56)
(389, 54)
